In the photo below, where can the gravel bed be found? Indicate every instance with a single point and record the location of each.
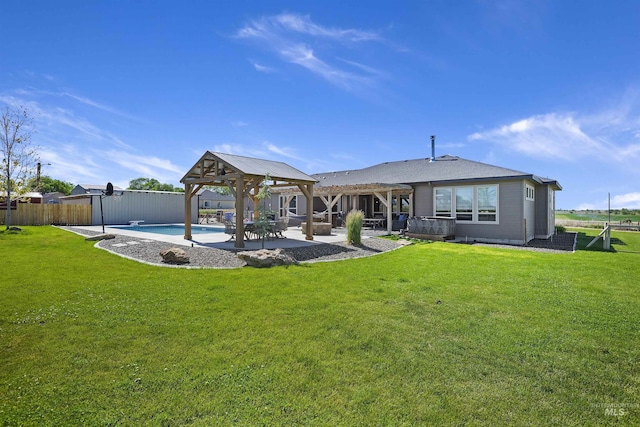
(560, 243)
(148, 251)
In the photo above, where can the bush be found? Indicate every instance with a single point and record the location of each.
(560, 229)
(354, 227)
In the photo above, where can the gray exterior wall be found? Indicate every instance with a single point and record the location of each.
(510, 226)
(153, 207)
(545, 212)
(423, 200)
(212, 200)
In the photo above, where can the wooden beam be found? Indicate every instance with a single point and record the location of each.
(384, 201)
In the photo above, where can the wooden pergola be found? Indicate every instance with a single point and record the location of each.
(331, 194)
(243, 176)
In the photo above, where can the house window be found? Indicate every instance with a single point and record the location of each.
(443, 201)
(470, 204)
(464, 203)
(487, 203)
(530, 193)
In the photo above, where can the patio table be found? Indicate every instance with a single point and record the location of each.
(373, 222)
(249, 228)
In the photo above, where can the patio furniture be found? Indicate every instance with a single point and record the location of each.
(280, 226)
(230, 228)
(250, 231)
(373, 222)
(400, 223)
(319, 228)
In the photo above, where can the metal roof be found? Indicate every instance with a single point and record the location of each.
(279, 171)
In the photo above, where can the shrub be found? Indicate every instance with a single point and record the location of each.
(560, 229)
(354, 227)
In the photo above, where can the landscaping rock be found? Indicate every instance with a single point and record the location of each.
(174, 256)
(100, 237)
(267, 258)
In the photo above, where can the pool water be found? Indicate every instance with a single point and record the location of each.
(170, 230)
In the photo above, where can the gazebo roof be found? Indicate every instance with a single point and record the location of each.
(215, 168)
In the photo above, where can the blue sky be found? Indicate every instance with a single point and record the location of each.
(123, 89)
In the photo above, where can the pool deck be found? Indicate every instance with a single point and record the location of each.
(293, 238)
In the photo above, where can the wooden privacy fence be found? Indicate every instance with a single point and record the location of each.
(47, 214)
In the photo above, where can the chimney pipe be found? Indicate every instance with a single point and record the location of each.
(433, 148)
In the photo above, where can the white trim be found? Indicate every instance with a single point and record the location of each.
(529, 193)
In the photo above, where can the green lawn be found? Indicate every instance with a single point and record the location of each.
(430, 334)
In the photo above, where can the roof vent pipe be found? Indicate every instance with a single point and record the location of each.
(433, 148)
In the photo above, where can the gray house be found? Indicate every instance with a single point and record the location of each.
(489, 203)
(208, 199)
(91, 189)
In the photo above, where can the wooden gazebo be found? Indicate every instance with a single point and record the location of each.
(243, 176)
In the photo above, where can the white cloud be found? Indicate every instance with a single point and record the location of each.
(69, 162)
(629, 201)
(263, 68)
(610, 134)
(292, 37)
(587, 207)
(239, 124)
(303, 24)
(239, 150)
(280, 151)
(552, 135)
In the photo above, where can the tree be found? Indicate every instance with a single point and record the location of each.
(152, 184)
(225, 191)
(18, 156)
(50, 185)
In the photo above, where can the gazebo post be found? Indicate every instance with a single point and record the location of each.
(187, 210)
(389, 211)
(240, 212)
(309, 212)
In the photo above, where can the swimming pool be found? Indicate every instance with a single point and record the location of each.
(169, 229)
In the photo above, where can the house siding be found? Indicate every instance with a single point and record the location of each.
(423, 200)
(511, 211)
(509, 228)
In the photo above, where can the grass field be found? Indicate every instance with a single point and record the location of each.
(430, 334)
(596, 216)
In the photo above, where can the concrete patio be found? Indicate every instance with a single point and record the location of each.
(293, 238)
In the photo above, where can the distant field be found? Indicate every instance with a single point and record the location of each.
(590, 215)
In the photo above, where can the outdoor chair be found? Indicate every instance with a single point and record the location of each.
(280, 226)
(400, 223)
(230, 228)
